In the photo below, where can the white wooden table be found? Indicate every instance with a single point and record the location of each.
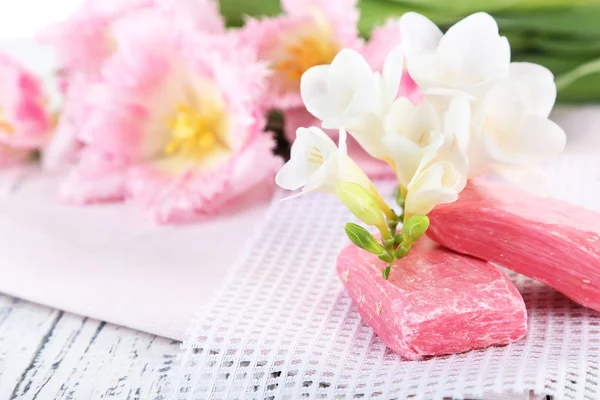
(49, 354)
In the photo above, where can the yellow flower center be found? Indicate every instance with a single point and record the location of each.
(5, 126)
(304, 53)
(192, 134)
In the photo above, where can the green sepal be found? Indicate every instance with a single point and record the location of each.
(414, 228)
(386, 256)
(398, 239)
(389, 243)
(402, 251)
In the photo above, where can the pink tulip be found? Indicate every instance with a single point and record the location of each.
(308, 33)
(24, 120)
(174, 123)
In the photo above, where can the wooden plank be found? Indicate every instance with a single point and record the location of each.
(23, 329)
(87, 359)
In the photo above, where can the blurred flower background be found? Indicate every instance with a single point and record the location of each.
(563, 35)
(183, 106)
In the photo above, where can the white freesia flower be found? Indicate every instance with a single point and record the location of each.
(438, 183)
(511, 129)
(428, 151)
(467, 59)
(412, 137)
(456, 129)
(416, 137)
(316, 164)
(348, 94)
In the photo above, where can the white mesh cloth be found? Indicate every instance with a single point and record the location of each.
(283, 327)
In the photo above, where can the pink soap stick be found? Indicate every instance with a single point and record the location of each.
(549, 240)
(435, 301)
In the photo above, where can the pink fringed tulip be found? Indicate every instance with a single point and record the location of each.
(85, 42)
(24, 120)
(309, 33)
(174, 123)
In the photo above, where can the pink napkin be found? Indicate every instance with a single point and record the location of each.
(108, 263)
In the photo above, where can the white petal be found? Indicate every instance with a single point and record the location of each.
(314, 92)
(306, 138)
(298, 170)
(412, 137)
(325, 178)
(472, 51)
(406, 156)
(537, 136)
(392, 74)
(439, 91)
(457, 122)
(366, 99)
(538, 84)
(418, 33)
(430, 152)
(368, 131)
(503, 107)
(435, 185)
(423, 70)
(347, 72)
(351, 172)
(291, 176)
(530, 178)
(406, 119)
(400, 117)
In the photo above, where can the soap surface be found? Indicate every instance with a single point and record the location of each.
(549, 240)
(435, 301)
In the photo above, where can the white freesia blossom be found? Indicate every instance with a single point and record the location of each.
(428, 152)
(467, 59)
(456, 129)
(480, 114)
(416, 137)
(316, 164)
(348, 94)
(438, 183)
(412, 137)
(511, 130)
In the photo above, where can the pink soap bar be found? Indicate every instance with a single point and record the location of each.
(549, 240)
(435, 301)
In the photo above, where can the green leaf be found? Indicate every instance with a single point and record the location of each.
(571, 21)
(567, 79)
(234, 11)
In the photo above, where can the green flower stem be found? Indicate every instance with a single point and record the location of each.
(401, 200)
(389, 213)
(386, 271)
